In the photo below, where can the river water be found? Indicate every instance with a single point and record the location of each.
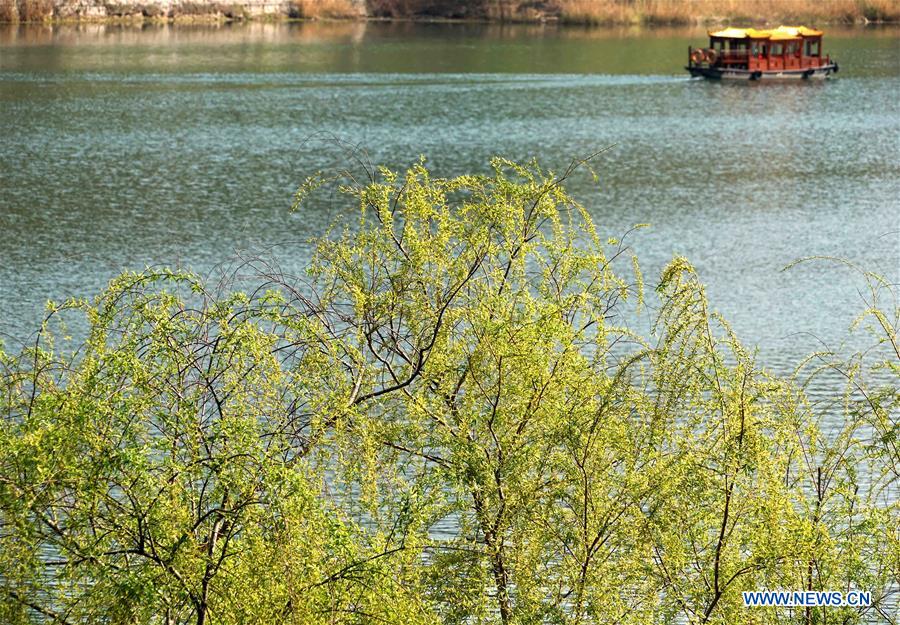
(123, 146)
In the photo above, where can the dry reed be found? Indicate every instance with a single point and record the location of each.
(35, 10)
(325, 9)
(643, 11)
(9, 12)
(746, 11)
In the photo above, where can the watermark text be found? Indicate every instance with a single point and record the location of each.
(806, 598)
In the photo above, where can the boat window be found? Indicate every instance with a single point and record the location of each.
(776, 49)
(812, 47)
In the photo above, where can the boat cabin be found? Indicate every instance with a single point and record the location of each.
(751, 53)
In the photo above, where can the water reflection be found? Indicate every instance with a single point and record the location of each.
(339, 31)
(375, 47)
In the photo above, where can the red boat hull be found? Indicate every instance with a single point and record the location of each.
(723, 73)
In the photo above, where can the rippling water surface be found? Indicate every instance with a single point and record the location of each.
(122, 147)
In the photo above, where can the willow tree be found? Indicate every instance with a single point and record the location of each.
(484, 309)
(162, 472)
(449, 419)
(588, 474)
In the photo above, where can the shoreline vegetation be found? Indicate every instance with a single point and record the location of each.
(575, 12)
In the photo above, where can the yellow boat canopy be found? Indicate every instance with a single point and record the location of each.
(730, 33)
(776, 34)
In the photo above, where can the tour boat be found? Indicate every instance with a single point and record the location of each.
(749, 54)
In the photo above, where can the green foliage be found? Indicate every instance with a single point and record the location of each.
(450, 421)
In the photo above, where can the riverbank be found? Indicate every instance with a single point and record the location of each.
(587, 12)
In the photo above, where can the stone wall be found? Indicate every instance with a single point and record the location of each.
(99, 10)
(96, 10)
(595, 12)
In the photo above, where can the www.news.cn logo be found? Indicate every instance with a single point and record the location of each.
(806, 598)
